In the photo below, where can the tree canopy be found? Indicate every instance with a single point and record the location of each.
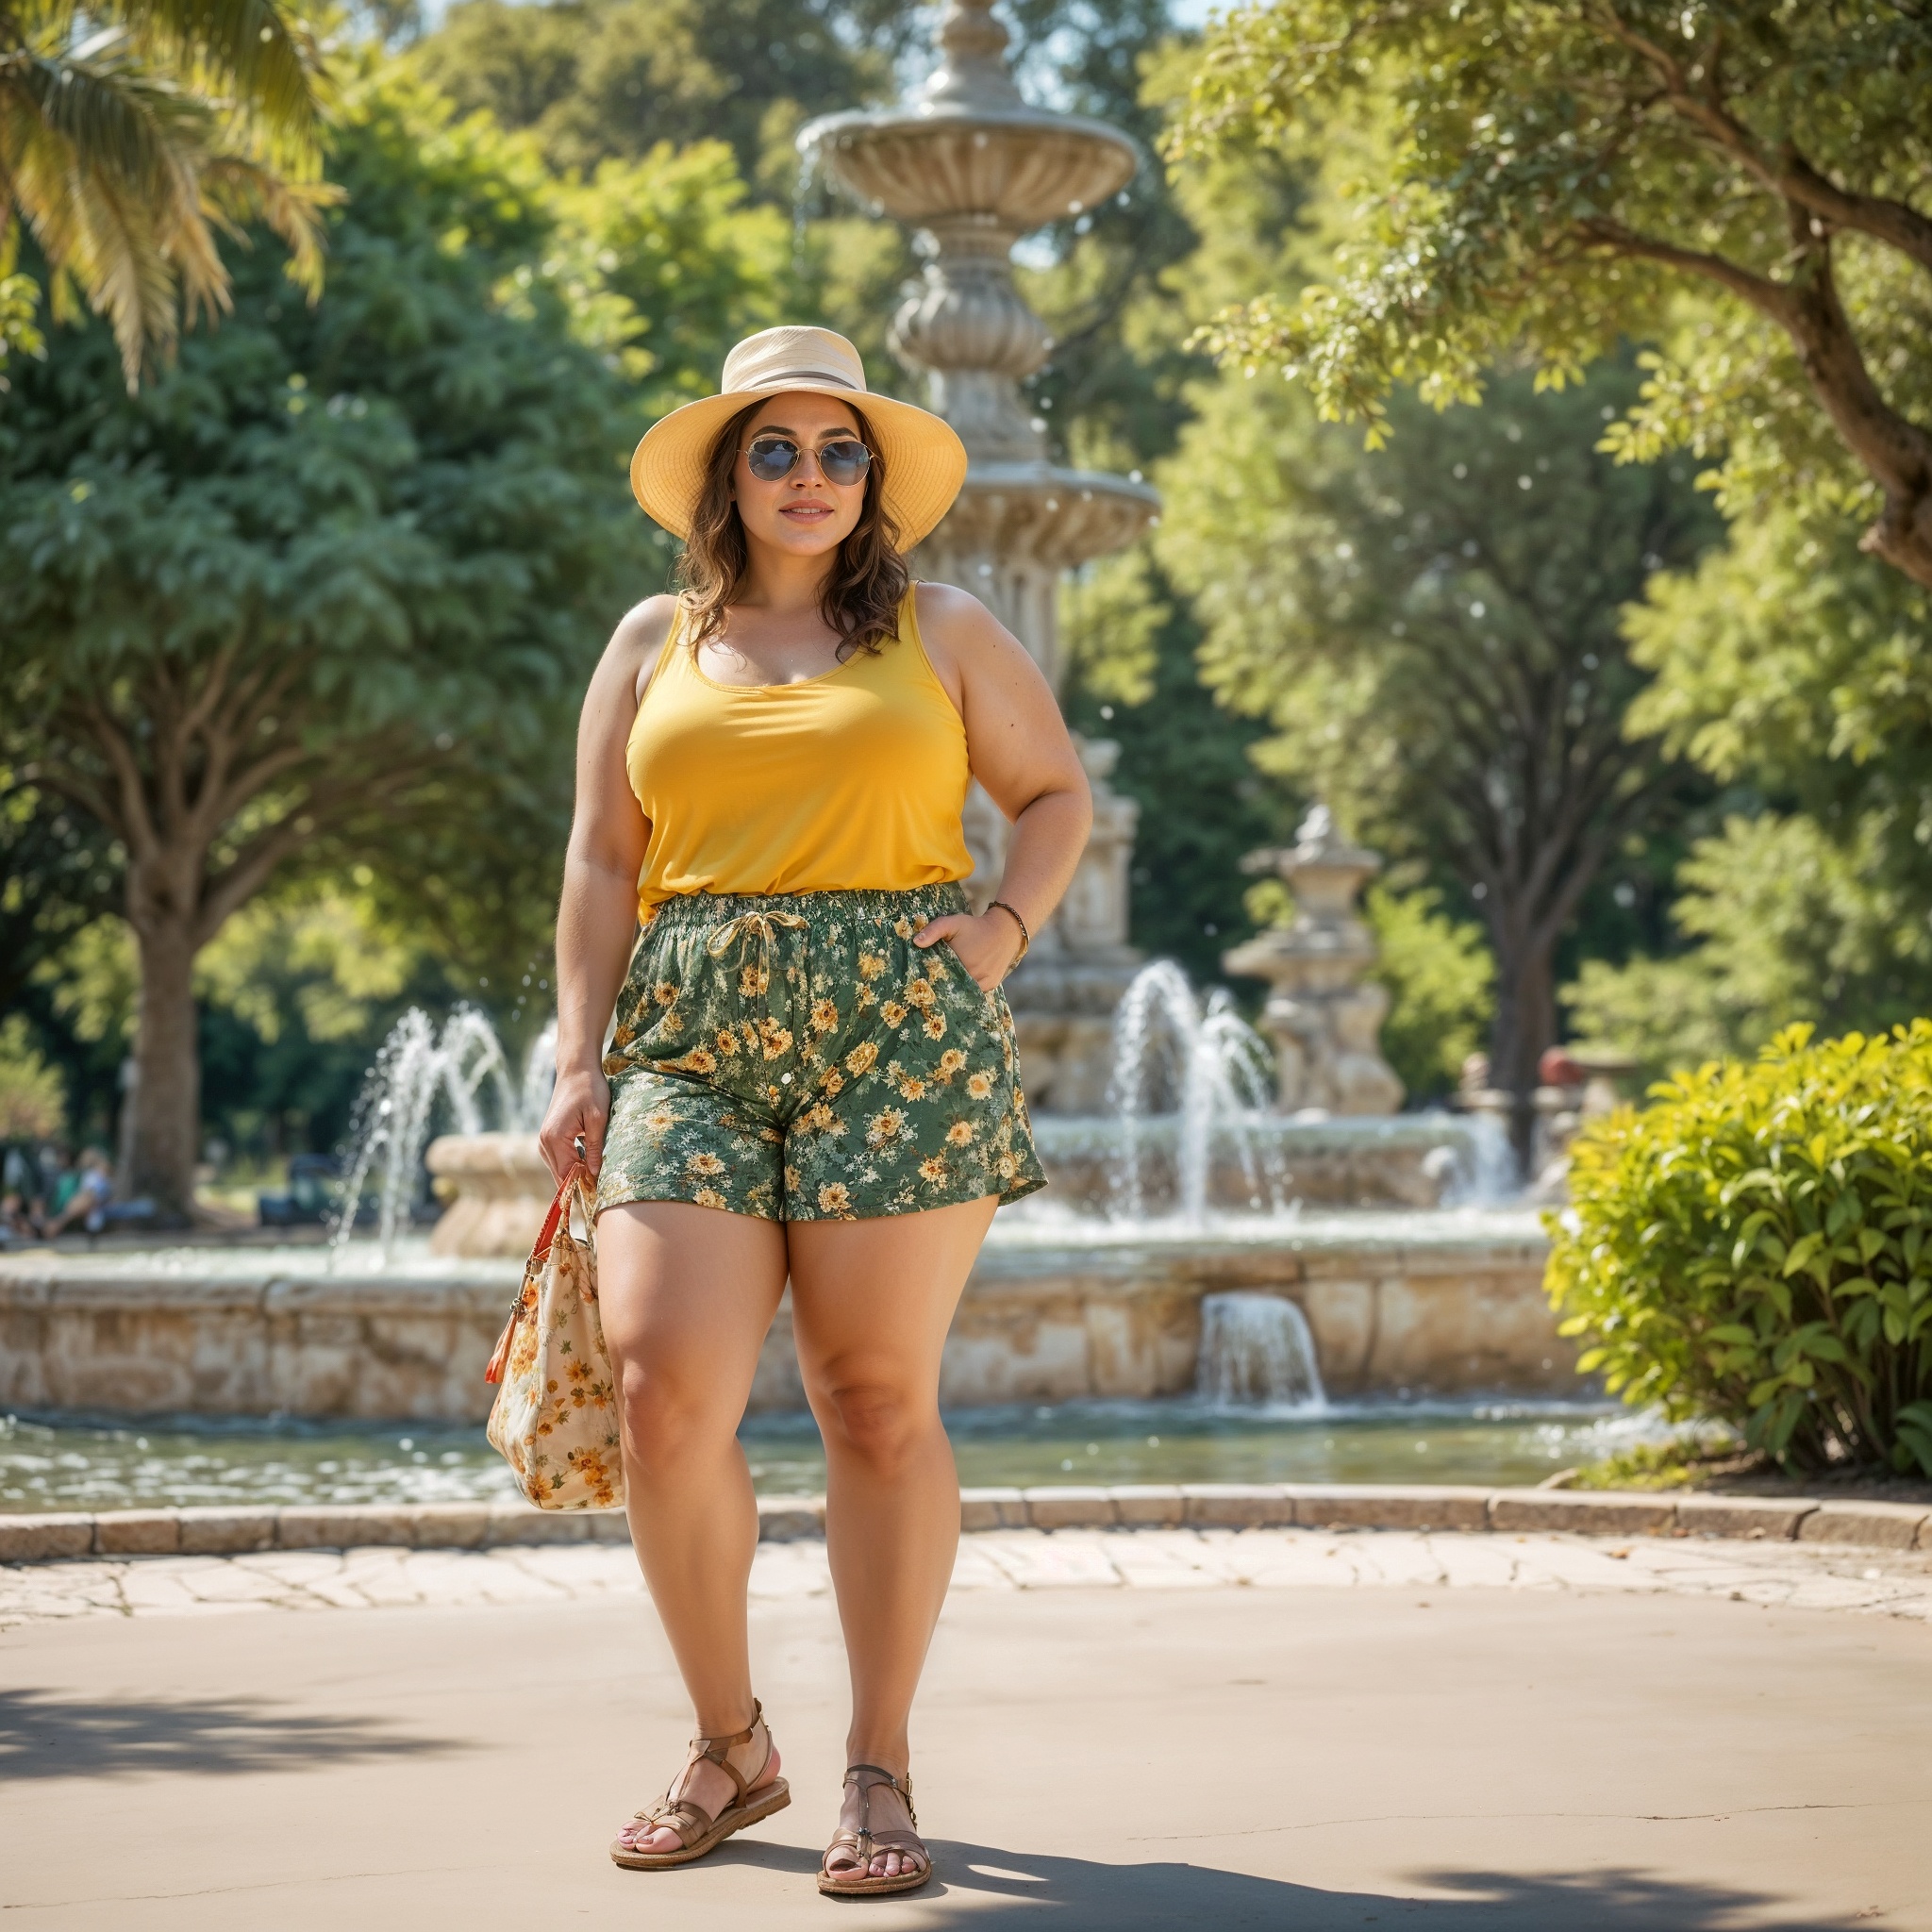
(280, 602)
(1432, 632)
(1563, 176)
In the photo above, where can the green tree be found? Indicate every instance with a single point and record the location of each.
(1790, 668)
(1432, 632)
(1441, 986)
(1133, 679)
(343, 565)
(131, 134)
(1564, 175)
(595, 80)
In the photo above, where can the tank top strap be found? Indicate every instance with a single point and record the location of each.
(672, 665)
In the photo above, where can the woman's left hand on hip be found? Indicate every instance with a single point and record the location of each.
(988, 943)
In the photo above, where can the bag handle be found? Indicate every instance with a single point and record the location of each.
(575, 1181)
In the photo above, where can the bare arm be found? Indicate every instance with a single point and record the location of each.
(1023, 756)
(597, 918)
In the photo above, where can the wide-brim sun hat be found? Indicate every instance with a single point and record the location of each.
(923, 460)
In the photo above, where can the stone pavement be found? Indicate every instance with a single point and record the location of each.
(1896, 1583)
(1474, 1734)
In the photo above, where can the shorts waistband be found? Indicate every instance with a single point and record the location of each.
(863, 902)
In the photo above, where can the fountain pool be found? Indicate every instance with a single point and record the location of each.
(77, 1461)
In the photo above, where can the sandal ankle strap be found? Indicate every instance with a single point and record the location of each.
(717, 1750)
(881, 1775)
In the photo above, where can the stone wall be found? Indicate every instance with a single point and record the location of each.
(1037, 1323)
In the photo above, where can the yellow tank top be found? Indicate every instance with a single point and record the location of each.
(853, 779)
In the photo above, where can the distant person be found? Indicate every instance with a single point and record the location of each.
(813, 1070)
(87, 1204)
(20, 1196)
(17, 1221)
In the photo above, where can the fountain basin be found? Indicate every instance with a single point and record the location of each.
(498, 1189)
(1057, 1308)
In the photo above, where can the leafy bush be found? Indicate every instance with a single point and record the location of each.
(1752, 1249)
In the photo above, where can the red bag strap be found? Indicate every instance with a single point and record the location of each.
(576, 1178)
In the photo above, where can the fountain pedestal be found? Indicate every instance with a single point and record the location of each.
(972, 166)
(1324, 1021)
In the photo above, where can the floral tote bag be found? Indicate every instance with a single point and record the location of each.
(555, 1417)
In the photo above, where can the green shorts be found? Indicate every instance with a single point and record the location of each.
(797, 1057)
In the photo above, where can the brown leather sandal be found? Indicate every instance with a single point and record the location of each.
(695, 1827)
(865, 1844)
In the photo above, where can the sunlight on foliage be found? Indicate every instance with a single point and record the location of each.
(33, 1104)
(1755, 1248)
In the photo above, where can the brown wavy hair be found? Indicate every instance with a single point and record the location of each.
(863, 588)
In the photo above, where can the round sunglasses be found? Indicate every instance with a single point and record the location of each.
(771, 458)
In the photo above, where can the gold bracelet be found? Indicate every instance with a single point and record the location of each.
(1025, 936)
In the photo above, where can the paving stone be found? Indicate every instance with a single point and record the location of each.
(788, 1570)
(1238, 1506)
(1389, 1506)
(519, 1526)
(1149, 1505)
(1749, 1519)
(1278, 1559)
(1585, 1513)
(1397, 1557)
(450, 1526)
(40, 1539)
(344, 1526)
(217, 1532)
(786, 1518)
(1034, 1560)
(972, 1568)
(1069, 1506)
(1878, 1525)
(1166, 1559)
(991, 1510)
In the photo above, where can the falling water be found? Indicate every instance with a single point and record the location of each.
(1485, 1174)
(804, 189)
(1257, 1348)
(416, 1067)
(1211, 1064)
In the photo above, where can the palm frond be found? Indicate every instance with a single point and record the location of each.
(131, 136)
(236, 189)
(256, 55)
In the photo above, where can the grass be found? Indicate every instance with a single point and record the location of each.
(1683, 1462)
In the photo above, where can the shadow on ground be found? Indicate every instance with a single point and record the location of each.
(981, 1885)
(47, 1736)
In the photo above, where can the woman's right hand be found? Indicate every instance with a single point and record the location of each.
(579, 1105)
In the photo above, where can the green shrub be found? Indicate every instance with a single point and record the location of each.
(1753, 1248)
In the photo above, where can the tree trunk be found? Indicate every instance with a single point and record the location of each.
(165, 1140)
(1525, 1024)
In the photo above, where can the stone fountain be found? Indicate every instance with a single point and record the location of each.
(1324, 1017)
(970, 165)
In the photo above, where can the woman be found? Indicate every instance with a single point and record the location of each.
(812, 1071)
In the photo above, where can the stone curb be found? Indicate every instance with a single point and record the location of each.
(227, 1532)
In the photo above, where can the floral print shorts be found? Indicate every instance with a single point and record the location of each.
(795, 1057)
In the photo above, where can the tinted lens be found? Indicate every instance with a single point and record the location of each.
(771, 458)
(845, 462)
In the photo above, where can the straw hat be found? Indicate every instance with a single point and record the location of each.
(924, 460)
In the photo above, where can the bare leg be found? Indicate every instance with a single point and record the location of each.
(686, 1294)
(872, 1302)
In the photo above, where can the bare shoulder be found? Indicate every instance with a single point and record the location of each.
(632, 653)
(962, 636)
(948, 615)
